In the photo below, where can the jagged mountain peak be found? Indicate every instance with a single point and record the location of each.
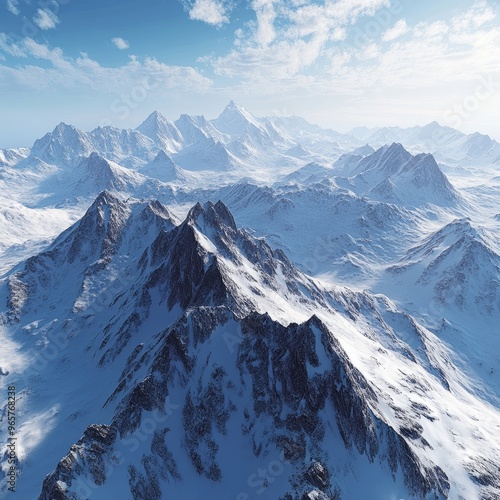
(62, 128)
(394, 175)
(458, 265)
(395, 147)
(104, 198)
(388, 159)
(214, 215)
(64, 144)
(363, 150)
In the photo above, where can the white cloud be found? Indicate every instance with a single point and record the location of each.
(287, 38)
(266, 15)
(10, 48)
(13, 6)
(120, 43)
(84, 72)
(398, 30)
(214, 12)
(433, 54)
(45, 19)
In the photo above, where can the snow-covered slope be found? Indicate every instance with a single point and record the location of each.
(63, 145)
(216, 358)
(445, 143)
(10, 157)
(164, 133)
(164, 169)
(459, 267)
(394, 175)
(206, 154)
(324, 229)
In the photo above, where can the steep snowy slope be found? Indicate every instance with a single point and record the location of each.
(235, 121)
(451, 280)
(126, 147)
(323, 228)
(309, 174)
(394, 175)
(63, 145)
(206, 154)
(96, 174)
(11, 157)
(164, 169)
(458, 265)
(211, 357)
(198, 128)
(248, 136)
(163, 132)
(66, 144)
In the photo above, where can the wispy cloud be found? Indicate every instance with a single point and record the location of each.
(45, 19)
(214, 12)
(13, 6)
(398, 30)
(84, 72)
(120, 43)
(290, 48)
(10, 48)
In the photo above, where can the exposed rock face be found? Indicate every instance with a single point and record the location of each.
(85, 461)
(295, 378)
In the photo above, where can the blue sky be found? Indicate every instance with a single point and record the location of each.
(339, 63)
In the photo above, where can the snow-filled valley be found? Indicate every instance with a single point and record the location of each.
(251, 308)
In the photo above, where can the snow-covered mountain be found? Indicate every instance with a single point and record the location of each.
(394, 175)
(458, 265)
(10, 157)
(165, 169)
(345, 338)
(445, 143)
(206, 154)
(63, 145)
(164, 133)
(220, 356)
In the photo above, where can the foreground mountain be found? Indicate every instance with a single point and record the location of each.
(217, 366)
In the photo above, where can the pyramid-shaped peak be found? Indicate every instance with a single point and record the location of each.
(65, 130)
(235, 109)
(161, 130)
(96, 160)
(156, 116)
(153, 122)
(235, 120)
(433, 124)
(162, 157)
